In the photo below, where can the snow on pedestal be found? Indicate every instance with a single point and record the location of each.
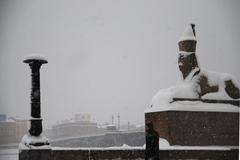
(28, 141)
(163, 100)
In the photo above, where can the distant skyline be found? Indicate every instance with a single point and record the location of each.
(107, 57)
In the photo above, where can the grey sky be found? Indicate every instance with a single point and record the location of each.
(107, 56)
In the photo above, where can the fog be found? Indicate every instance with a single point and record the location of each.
(107, 57)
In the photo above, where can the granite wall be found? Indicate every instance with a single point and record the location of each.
(191, 128)
(107, 140)
(136, 154)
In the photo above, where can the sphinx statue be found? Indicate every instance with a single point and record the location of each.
(202, 110)
(197, 83)
(222, 84)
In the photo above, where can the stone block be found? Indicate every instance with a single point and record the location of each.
(35, 154)
(196, 128)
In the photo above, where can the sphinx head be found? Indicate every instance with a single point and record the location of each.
(187, 60)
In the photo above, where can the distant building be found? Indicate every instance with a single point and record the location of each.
(111, 128)
(12, 129)
(3, 117)
(80, 125)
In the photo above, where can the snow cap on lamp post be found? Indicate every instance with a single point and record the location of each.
(34, 137)
(35, 58)
(187, 43)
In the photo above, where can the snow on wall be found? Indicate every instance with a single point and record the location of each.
(123, 147)
(163, 145)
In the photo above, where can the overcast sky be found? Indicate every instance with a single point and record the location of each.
(107, 57)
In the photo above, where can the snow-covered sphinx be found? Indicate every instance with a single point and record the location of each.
(206, 84)
(197, 84)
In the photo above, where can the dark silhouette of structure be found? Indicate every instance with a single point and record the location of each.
(152, 143)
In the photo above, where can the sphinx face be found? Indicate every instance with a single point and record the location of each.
(183, 63)
(186, 62)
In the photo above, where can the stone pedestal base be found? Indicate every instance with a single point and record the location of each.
(196, 128)
(34, 142)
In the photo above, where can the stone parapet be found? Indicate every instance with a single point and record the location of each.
(131, 154)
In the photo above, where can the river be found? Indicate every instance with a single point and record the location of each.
(9, 154)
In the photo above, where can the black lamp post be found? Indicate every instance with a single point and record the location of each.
(36, 121)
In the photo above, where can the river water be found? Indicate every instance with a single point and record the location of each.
(9, 154)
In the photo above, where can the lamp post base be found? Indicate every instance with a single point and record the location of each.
(34, 142)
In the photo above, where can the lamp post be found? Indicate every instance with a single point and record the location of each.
(34, 138)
